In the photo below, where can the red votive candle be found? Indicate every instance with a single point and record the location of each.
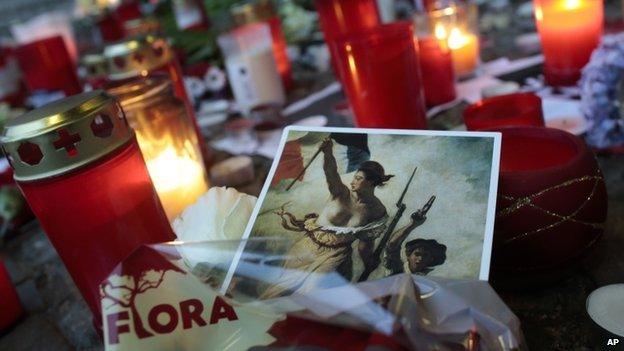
(46, 65)
(380, 72)
(436, 67)
(80, 168)
(551, 205)
(10, 306)
(263, 11)
(570, 30)
(521, 109)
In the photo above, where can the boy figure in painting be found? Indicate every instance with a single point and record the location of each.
(421, 254)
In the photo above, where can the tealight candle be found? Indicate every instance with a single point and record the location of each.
(570, 30)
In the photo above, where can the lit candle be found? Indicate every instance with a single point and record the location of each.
(464, 50)
(570, 30)
(179, 180)
(458, 26)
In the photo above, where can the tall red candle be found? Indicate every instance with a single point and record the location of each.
(340, 17)
(10, 306)
(436, 66)
(80, 168)
(146, 56)
(381, 75)
(263, 11)
(570, 30)
(46, 65)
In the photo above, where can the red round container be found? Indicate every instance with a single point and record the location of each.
(80, 168)
(10, 305)
(436, 67)
(46, 65)
(521, 109)
(551, 209)
(380, 72)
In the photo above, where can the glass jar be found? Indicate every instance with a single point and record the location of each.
(146, 55)
(80, 168)
(167, 139)
(263, 12)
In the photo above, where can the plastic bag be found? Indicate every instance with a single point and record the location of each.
(159, 299)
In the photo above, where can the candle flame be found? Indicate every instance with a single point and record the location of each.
(440, 31)
(171, 171)
(572, 4)
(457, 39)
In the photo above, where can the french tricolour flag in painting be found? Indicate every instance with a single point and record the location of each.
(350, 150)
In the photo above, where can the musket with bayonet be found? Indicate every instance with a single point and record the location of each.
(386, 236)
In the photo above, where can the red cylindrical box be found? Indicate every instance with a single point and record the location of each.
(521, 109)
(80, 168)
(551, 206)
(436, 66)
(380, 72)
(10, 305)
(46, 65)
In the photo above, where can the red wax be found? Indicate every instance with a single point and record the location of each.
(46, 65)
(340, 17)
(380, 72)
(436, 66)
(570, 30)
(522, 109)
(10, 306)
(97, 215)
(280, 53)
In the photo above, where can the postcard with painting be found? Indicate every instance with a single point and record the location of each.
(367, 204)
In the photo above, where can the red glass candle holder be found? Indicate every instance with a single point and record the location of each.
(522, 109)
(380, 72)
(570, 30)
(436, 66)
(10, 305)
(263, 11)
(46, 65)
(341, 17)
(80, 168)
(551, 208)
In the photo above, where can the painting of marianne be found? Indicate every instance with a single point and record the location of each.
(366, 204)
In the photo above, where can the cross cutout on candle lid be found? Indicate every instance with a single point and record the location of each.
(67, 141)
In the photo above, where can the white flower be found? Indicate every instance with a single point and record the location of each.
(220, 215)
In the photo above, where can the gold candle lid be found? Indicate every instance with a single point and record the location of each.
(94, 64)
(65, 135)
(136, 56)
(253, 12)
(141, 26)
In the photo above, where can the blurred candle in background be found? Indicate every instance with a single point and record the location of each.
(570, 30)
(436, 63)
(381, 76)
(10, 306)
(263, 11)
(458, 25)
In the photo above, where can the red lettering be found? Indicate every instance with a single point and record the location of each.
(191, 310)
(113, 329)
(220, 310)
(168, 327)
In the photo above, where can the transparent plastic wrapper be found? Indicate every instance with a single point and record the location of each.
(209, 296)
